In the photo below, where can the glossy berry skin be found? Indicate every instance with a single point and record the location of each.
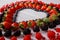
(31, 23)
(15, 26)
(13, 38)
(17, 33)
(2, 38)
(44, 28)
(43, 7)
(27, 37)
(23, 24)
(51, 34)
(38, 7)
(7, 25)
(52, 25)
(7, 33)
(36, 29)
(26, 31)
(57, 29)
(38, 36)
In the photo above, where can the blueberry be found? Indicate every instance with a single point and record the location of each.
(17, 33)
(7, 33)
(36, 29)
(26, 31)
(44, 28)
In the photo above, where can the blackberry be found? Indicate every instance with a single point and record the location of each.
(7, 33)
(52, 25)
(44, 27)
(17, 33)
(26, 31)
(0, 32)
(36, 29)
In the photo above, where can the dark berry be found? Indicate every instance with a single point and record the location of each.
(52, 25)
(7, 33)
(26, 31)
(17, 33)
(44, 27)
(0, 32)
(36, 29)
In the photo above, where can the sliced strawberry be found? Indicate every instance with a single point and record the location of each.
(48, 8)
(52, 11)
(57, 29)
(38, 7)
(2, 38)
(30, 5)
(23, 24)
(13, 38)
(21, 4)
(34, 5)
(7, 25)
(26, 4)
(43, 7)
(31, 23)
(15, 25)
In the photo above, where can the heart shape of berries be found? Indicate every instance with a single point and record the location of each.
(7, 15)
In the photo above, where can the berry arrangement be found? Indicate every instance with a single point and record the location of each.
(8, 24)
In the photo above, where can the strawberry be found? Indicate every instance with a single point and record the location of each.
(27, 37)
(34, 5)
(7, 25)
(30, 5)
(13, 38)
(51, 4)
(26, 4)
(38, 7)
(58, 6)
(53, 17)
(15, 25)
(38, 36)
(12, 4)
(52, 11)
(48, 8)
(31, 23)
(21, 4)
(23, 24)
(2, 9)
(43, 7)
(51, 34)
(2, 38)
(57, 29)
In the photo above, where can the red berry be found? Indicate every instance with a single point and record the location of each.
(43, 7)
(21, 5)
(57, 29)
(38, 36)
(27, 37)
(51, 4)
(24, 24)
(7, 25)
(52, 11)
(51, 34)
(58, 6)
(15, 25)
(13, 38)
(30, 5)
(31, 23)
(34, 5)
(38, 7)
(2, 38)
(26, 4)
